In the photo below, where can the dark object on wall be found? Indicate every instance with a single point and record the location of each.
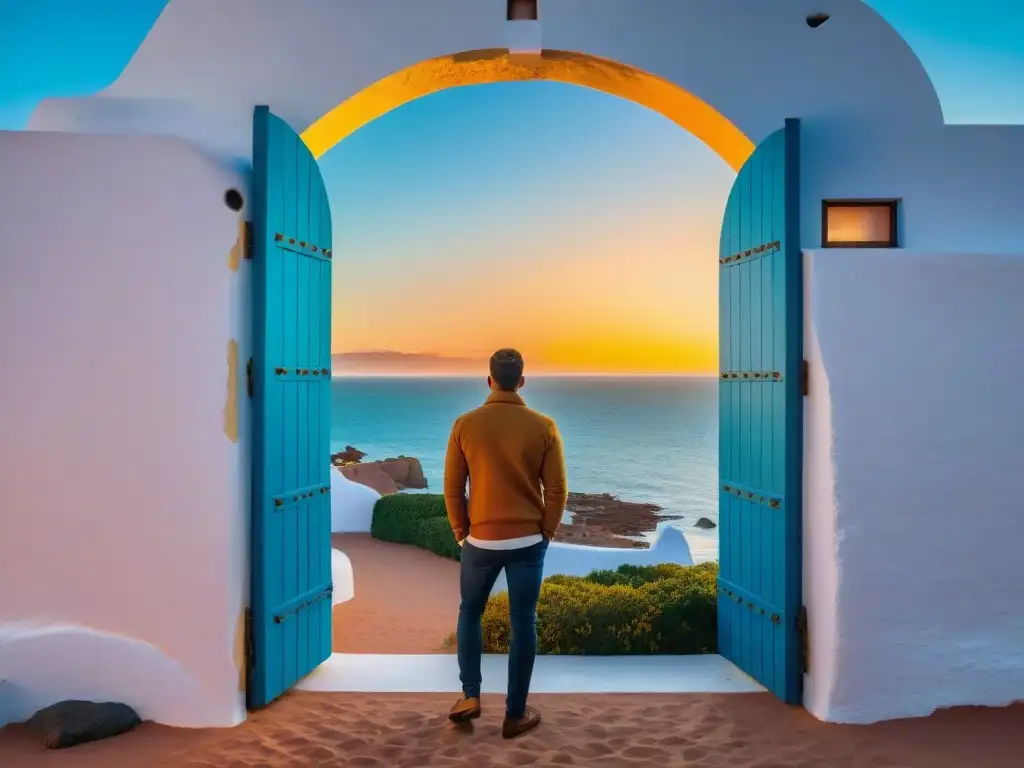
(859, 223)
(68, 723)
(522, 10)
(233, 199)
(815, 20)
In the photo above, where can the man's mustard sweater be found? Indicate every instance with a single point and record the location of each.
(513, 459)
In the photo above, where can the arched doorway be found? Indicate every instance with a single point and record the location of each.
(760, 421)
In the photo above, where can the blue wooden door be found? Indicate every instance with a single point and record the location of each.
(761, 418)
(291, 373)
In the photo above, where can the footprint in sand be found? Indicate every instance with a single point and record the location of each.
(591, 750)
(694, 753)
(648, 753)
(675, 740)
(352, 745)
(315, 752)
(520, 757)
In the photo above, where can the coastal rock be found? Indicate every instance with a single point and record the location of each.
(371, 475)
(387, 476)
(406, 471)
(68, 723)
(348, 456)
(601, 519)
(705, 523)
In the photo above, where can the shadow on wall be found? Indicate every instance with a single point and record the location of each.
(43, 664)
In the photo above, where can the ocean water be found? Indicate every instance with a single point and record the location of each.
(641, 438)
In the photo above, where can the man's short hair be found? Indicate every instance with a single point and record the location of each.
(506, 368)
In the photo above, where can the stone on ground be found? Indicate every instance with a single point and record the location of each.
(68, 723)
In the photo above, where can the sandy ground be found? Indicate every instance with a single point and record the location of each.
(397, 587)
(399, 730)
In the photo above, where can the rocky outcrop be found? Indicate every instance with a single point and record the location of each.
(705, 523)
(348, 456)
(68, 723)
(385, 477)
(372, 476)
(603, 520)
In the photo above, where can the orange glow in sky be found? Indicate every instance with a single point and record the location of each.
(578, 227)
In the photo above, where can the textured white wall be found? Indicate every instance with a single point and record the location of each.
(913, 526)
(124, 501)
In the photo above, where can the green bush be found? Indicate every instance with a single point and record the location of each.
(419, 519)
(652, 609)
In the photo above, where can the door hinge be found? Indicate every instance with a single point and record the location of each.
(805, 640)
(248, 377)
(805, 378)
(248, 239)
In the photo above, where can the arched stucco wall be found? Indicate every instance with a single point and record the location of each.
(872, 122)
(757, 63)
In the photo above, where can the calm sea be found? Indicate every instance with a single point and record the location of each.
(642, 438)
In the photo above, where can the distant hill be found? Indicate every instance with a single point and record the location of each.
(384, 362)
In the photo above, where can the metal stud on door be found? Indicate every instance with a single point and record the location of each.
(291, 585)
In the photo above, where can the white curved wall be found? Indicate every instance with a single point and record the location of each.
(342, 576)
(912, 523)
(351, 505)
(872, 122)
(579, 560)
(41, 665)
(124, 501)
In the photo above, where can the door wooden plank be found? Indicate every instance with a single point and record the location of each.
(761, 418)
(291, 584)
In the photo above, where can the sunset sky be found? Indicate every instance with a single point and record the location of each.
(591, 245)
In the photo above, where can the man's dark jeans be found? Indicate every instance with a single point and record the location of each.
(524, 570)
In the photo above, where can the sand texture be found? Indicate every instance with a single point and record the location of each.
(622, 731)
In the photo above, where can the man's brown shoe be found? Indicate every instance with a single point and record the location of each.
(465, 709)
(517, 726)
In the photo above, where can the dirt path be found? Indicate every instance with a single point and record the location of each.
(407, 599)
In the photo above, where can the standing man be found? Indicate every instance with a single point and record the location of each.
(513, 459)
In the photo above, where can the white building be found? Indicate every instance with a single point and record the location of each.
(122, 263)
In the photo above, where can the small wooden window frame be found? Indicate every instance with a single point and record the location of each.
(534, 11)
(891, 203)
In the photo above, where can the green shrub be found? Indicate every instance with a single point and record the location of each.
(436, 536)
(663, 608)
(419, 519)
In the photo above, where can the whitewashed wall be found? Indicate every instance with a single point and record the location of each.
(873, 124)
(123, 553)
(913, 525)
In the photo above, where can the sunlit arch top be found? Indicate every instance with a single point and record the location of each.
(499, 66)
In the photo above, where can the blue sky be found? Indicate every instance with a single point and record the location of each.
(419, 194)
